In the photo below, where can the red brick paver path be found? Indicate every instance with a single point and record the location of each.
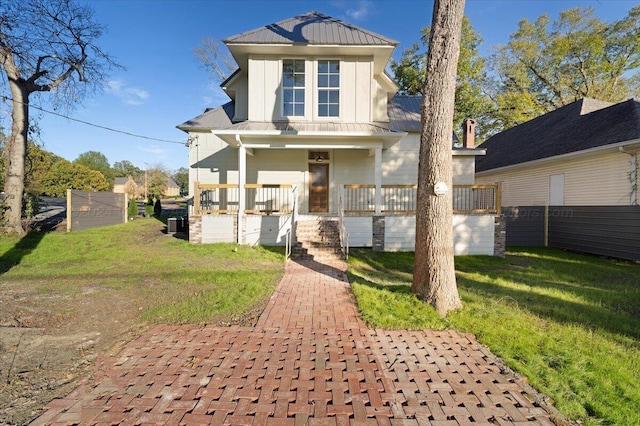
(309, 361)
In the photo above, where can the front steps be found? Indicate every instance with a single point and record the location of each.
(318, 240)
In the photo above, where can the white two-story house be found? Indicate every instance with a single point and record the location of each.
(314, 130)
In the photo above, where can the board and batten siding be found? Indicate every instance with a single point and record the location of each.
(595, 180)
(211, 160)
(264, 85)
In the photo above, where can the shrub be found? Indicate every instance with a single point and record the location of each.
(157, 208)
(133, 208)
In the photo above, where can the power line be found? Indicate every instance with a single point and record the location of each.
(97, 125)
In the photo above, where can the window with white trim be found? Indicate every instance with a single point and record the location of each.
(293, 83)
(328, 88)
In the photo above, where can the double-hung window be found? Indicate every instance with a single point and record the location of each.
(293, 82)
(328, 88)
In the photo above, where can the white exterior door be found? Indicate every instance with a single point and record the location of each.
(556, 190)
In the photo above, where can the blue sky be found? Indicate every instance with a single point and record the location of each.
(163, 85)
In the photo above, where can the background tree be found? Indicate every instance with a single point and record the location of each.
(97, 161)
(471, 100)
(157, 181)
(38, 162)
(546, 65)
(45, 46)
(214, 56)
(181, 177)
(434, 279)
(125, 168)
(65, 175)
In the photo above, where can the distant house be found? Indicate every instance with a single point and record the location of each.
(582, 157)
(315, 135)
(119, 187)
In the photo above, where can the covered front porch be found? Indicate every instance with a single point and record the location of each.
(270, 212)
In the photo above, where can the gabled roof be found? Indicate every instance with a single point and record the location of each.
(311, 28)
(581, 125)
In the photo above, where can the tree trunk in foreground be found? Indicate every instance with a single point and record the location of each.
(434, 279)
(16, 152)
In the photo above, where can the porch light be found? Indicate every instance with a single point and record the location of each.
(319, 159)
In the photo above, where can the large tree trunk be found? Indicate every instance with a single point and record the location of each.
(16, 151)
(434, 279)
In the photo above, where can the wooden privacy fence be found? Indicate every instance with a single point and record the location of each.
(86, 210)
(612, 231)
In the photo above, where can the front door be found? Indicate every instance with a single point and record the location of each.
(318, 188)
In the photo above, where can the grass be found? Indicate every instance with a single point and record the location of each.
(171, 280)
(570, 323)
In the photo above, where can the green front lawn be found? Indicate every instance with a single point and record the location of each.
(171, 280)
(570, 323)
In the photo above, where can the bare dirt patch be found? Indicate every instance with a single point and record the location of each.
(48, 343)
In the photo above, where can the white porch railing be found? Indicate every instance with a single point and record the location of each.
(260, 198)
(401, 199)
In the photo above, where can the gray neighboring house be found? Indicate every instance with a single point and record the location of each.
(582, 160)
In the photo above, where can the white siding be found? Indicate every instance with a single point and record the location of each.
(217, 229)
(588, 181)
(464, 168)
(472, 234)
(266, 230)
(400, 162)
(211, 160)
(399, 233)
(360, 229)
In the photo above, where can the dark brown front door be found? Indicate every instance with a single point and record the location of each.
(318, 188)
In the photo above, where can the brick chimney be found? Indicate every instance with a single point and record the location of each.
(469, 133)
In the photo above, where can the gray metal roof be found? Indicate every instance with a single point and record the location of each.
(583, 124)
(312, 28)
(309, 127)
(212, 118)
(404, 112)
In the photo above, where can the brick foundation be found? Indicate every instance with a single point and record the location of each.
(378, 233)
(195, 229)
(500, 236)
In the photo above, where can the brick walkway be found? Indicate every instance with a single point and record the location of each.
(309, 361)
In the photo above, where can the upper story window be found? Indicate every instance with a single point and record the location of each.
(328, 88)
(293, 76)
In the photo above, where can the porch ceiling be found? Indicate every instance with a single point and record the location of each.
(304, 135)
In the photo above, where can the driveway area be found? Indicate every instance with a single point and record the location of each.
(310, 360)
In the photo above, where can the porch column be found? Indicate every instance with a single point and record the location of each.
(242, 180)
(378, 180)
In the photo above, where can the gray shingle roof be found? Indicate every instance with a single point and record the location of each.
(584, 124)
(311, 28)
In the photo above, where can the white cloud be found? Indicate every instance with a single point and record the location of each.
(128, 94)
(361, 11)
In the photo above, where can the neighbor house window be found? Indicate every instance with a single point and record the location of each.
(328, 88)
(293, 87)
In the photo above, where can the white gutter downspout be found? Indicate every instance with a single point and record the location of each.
(633, 175)
(242, 180)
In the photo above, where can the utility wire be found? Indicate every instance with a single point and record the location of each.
(97, 125)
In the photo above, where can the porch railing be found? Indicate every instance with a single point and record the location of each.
(344, 234)
(401, 199)
(225, 198)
